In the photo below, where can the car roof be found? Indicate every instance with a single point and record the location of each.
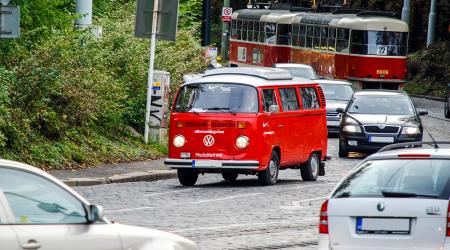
(252, 76)
(292, 65)
(380, 92)
(328, 81)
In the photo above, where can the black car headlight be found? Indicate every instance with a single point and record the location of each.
(351, 126)
(410, 131)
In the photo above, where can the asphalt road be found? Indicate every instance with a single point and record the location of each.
(240, 215)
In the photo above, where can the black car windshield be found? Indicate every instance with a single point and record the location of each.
(337, 91)
(397, 178)
(307, 73)
(381, 104)
(217, 98)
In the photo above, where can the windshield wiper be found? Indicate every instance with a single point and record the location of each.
(222, 109)
(405, 194)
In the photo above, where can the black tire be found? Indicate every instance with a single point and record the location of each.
(187, 177)
(230, 176)
(270, 175)
(342, 150)
(310, 171)
(446, 110)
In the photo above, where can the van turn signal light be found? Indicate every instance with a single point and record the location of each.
(242, 125)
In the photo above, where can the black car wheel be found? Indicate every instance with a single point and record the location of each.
(447, 109)
(342, 150)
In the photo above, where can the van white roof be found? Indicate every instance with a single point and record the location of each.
(253, 76)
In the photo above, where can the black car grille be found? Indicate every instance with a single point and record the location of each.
(385, 130)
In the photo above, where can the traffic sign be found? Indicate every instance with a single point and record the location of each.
(9, 22)
(167, 19)
(226, 14)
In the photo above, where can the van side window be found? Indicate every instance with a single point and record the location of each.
(289, 99)
(309, 98)
(269, 98)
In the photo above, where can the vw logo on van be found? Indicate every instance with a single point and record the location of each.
(208, 140)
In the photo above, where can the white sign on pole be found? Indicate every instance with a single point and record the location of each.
(226, 14)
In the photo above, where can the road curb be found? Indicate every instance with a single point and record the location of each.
(434, 98)
(122, 178)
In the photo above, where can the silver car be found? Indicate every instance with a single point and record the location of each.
(298, 70)
(395, 199)
(37, 211)
(337, 95)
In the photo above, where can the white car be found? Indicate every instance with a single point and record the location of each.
(394, 199)
(37, 211)
(298, 70)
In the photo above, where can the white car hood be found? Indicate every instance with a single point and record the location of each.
(139, 238)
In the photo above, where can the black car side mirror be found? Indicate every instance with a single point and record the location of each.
(422, 111)
(340, 110)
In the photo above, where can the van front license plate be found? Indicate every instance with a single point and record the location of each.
(383, 225)
(206, 164)
(381, 139)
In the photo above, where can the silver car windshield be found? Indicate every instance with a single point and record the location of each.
(397, 178)
(217, 98)
(302, 72)
(339, 92)
(386, 105)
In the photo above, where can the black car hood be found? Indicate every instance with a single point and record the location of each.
(401, 120)
(332, 105)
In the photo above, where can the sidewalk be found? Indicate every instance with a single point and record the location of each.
(151, 170)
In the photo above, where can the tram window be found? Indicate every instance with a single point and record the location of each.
(261, 32)
(309, 37)
(323, 38)
(255, 31)
(250, 31)
(257, 56)
(283, 34)
(271, 34)
(316, 41)
(382, 43)
(302, 35)
(238, 29)
(233, 29)
(295, 33)
(244, 31)
(342, 40)
(332, 39)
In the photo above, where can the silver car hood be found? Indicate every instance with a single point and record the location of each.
(139, 238)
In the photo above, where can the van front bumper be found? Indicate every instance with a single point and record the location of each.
(211, 164)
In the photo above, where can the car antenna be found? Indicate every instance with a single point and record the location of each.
(432, 138)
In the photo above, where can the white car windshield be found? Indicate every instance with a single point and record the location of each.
(307, 73)
(340, 92)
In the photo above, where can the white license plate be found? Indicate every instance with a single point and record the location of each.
(382, 139)
(383, 225)
(206, 163)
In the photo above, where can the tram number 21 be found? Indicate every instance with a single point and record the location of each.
(382, 50)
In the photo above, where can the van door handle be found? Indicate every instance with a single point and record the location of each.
(280, 125)
(31, 245)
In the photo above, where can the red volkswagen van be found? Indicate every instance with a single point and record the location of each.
(247, 121)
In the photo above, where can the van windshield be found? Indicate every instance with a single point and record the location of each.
(217, 98)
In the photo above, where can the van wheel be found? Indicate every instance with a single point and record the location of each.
(270, 175)
(342, 150)
(230, 176)
(310, 171)
(446, 110)
(187, 177)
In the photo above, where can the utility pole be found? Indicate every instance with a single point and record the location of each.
(225, 31)
(406, 10)
(431, 23)
(206, 23)
(84, 9)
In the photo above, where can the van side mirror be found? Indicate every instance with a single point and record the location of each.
(340, 110)
(95, 213)
(422, 111)
(274, 109)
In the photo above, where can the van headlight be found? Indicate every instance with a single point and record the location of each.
(242, 142)
(179, 141)
(410, 130)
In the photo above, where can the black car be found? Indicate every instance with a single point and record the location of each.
(447, 101)
(376, 118)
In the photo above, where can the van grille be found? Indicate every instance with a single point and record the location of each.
(212, 124)
(322, 97)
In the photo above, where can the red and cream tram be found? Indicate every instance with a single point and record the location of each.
(366, 48)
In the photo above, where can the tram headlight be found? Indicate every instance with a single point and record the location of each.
(242, 142)
(179, 141)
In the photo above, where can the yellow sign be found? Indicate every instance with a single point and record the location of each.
(382, 72)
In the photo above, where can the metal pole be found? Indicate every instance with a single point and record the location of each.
(84, 9)
(405, 11)
(225, 30)
(431, 23)
(206, 23)
(150, 68)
